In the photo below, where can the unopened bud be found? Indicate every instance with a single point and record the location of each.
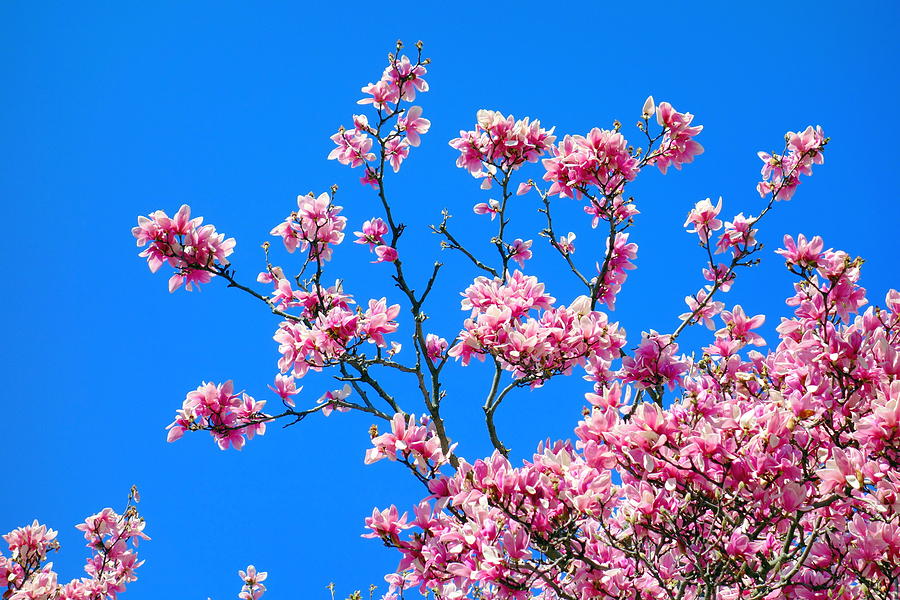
(649, 108)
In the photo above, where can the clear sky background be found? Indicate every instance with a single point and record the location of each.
(109, 110)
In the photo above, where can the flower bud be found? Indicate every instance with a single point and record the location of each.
(649, 108)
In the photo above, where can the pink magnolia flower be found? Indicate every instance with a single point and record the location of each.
(524, 188)
(413, 125)
(386, 524)
(332, 400)
(435, 346)
(380, 94)
(701, 309)
(385, 254)
(373, 232)
(738, 326)
(843, 469)
(361, 123)
(253, 589)
(738, 235)
(723, 347)
(285, 387)
(566, 243)
(370, 177)
(379, 320)
(491, 207)
(396, 150)
(803, 253)
(520, 251)
(703, 219)
(720, 274)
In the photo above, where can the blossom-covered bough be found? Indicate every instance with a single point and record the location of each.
(741, 474)
(112, 538)
(766, 476)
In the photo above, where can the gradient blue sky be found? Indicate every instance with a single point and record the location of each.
(114, 109)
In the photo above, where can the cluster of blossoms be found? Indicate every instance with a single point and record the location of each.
(769, 477)
(400, 81)
(502, 325)
(678, 146)
(654, 363)
(230, 418)
(112, 539)
(613, 272)
(828, 287)
(334, 332)
(499, 142)
(781, 172)
(311, 301)
(601, 158)
(191, 248)
(409, 441)
(353, 146)
(739, 237)
(315, 225)
(616, 210)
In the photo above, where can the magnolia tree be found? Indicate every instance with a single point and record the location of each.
(737, 475)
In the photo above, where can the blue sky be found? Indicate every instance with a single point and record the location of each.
(111, 110)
